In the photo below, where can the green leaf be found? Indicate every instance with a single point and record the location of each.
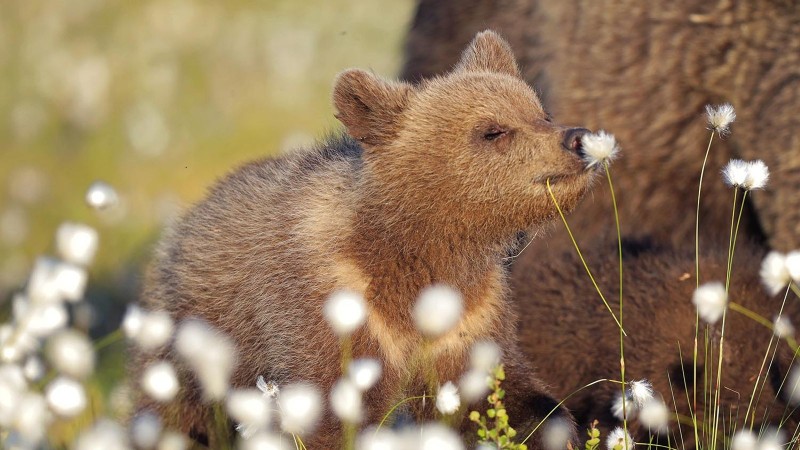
(491, 412)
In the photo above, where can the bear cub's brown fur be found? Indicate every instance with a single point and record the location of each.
(431, 185)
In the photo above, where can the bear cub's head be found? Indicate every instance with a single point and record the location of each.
(470, 150)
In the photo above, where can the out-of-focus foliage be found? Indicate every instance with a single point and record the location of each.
(159, 98)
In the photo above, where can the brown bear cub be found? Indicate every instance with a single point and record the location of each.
(431, 184)
(565, 323)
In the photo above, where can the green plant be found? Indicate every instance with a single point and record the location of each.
(493, 427)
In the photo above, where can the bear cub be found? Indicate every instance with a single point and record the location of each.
(430, 184)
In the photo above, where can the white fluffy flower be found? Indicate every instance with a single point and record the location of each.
(641, 392)
(619, 437)
(474, 385)
(793, 265)
(12, 387)
(345, 400)
(249, 408)
(145, 430)
(345, 311)
(53, 281)
(744, 440)
(101, 195)
(160, 382)
(438, 310)
(556, 434)
(76, 243)
(791, 388)
(380, 439)
(655, 416)
(300, 408)
(71, 353)
(269, 388)
(485, 356)
(66, 397)
(720, 117)
(31, 418)
(435, 436)
(757, 175)
(33, 368)
(40, 319)
(598, 148)
(772, 439)
(782, 327)
(364, 372)
(104, 435)
(155, 331)
(774, 272)
(172, 440)
(210, 354)
(447, 400)
(711, 301)
(630, 407)
(735, 173)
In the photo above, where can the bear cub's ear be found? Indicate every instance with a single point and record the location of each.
(369, 107)
(488, 52)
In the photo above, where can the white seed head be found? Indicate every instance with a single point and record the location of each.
(774, 272)
(447, 399)
(711, 301)
(345, 401)
(145, 430)
(210, 354)
(438, 310)
(171, 440)
(266, 441)
(16, 344)
(269, 388)
(155, 330)
(619, 438)
(474, 385)
(40, 319)
(31, 418)
(53, 281)
(757, 175)
(793, 265)
(66, 397)
(630, 407)
(792, 386)
(249, 408)
(12, 387)
(435, 436)
(345, 311)
(380, 439)
(300, 408)
(735, 173)
(33, 368)
(71, 353)
(103, 435)
(101, 195)
(744, 440)
(76, 243)
(599, 148)
(364, 372)
(641, 391)
(655, 416)
(556, 434)
(772, 439)
(720, 117)
(782, 327)
(132, 322)
(160, 382)
(485, 356)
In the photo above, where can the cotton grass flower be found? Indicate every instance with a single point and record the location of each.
(447, 399)
(474, 385)
(160, 382)
(630, 407)
(782, 327)
(249, 408)
(720, 118)
(775, 273)
(791, 389)
(171, 440)
(380, 439)
(793, 265)
(210, 354)
(556, 434)
(364, 373)
(655, 416)
(300, 408)
(345, 398)
(103, 435)
(599, 148)
(711, 301)
(71, 353)
(438, 310)
(757, 175)
(269, 388)
(31, 418)
(66, 397)
(345, 311)
(53, 281)
(145, 430)
(150, 330)
(33, 368)
(101, 195)
(76, 243)
(735, 173)
(619, 439)
(485, 356)
(438, 437)
(744, 440)
(641, 391)
(12, 387)
(40, 320)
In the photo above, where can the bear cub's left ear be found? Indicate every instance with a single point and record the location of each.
(488, 52)
(370, 107)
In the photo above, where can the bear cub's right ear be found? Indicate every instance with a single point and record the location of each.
(369, 107)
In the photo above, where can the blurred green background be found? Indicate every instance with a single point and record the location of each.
(159, 98)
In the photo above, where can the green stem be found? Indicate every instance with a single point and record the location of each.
(396, 405)
(580, 255)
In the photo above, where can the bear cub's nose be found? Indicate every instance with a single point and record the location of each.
(572, 140)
